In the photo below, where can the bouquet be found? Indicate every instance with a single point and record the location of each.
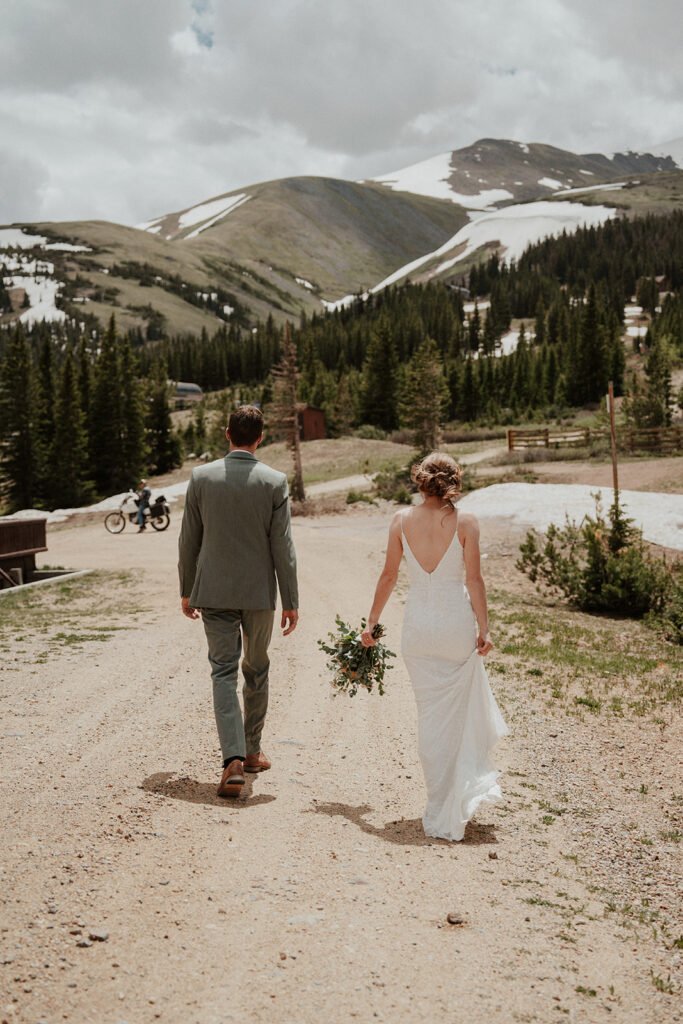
(352, 664)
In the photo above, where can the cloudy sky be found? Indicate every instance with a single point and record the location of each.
(125, 109)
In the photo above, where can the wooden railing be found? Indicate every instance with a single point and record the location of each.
(665, 440)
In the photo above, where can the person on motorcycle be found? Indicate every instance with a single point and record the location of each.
(144, 495)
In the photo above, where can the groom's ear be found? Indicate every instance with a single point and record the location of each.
(227, 433)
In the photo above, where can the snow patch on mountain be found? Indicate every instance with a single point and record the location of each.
(550, 183)
(426, 178)
(36, 278)
(16, 238)
(430, 178)
(514, 228)
(206, 214)
(611, 187)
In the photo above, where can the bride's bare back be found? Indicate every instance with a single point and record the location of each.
(429, 531)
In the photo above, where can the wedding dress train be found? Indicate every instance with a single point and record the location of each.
(459, 721)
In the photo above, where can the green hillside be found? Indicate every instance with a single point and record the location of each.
(335, 236)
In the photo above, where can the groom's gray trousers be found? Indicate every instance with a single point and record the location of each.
(226, 631)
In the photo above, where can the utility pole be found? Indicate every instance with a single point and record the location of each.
(610, 407)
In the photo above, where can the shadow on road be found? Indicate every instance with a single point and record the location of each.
(195, 792)
(407, 831)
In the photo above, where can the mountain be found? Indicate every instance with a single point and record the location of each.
(494, 172)
(672, 148)
(301, 244)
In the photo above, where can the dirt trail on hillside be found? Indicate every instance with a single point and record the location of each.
(316, 897)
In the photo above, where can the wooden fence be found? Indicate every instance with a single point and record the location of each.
(664, 440)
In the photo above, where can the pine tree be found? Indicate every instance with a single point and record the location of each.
(199, 427)
(616, 356)
(592, 354)
(648, 295)
(343, 409)
(117, 416)
(285, 412)
(17, 427)
(424, 396)
(44, 419)
(379, 391)
(107, 414)
(454, 379)
(85, 382)
(474, 330)
(658, 373)
(470, 397)
(133, 440)
(489, 338)
(540, 332)
(162, 444)
(69, 484)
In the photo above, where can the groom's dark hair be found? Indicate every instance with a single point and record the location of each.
(245, 426)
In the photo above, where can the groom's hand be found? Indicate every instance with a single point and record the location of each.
(192, 613)
(290, 617)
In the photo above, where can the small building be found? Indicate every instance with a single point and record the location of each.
(311, 422)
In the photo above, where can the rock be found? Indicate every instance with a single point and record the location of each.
(455, 917)
(98, 935)
(493, 855)
(84, 942)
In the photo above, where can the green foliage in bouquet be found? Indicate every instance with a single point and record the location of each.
(354, 666)
(602, 565)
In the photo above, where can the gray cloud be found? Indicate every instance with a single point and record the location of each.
(128, 110)
(22, 182)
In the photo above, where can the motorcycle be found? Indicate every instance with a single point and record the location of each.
(157, 515)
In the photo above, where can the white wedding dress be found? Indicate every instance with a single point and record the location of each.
(459, 721)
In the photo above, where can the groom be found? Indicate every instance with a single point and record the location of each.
(234, 540)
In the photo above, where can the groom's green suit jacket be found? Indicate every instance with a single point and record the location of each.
(236, 537)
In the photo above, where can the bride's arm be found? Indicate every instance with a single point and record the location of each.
(387, 579)
(468, 528)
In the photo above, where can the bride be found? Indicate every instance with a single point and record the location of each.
(445, 635)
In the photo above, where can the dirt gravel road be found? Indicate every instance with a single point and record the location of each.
(316, 897)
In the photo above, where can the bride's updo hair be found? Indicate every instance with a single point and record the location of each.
(438, 476)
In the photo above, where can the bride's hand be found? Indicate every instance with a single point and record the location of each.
(366, 636)
(484, 644)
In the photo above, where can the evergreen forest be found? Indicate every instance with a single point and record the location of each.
(85, 415)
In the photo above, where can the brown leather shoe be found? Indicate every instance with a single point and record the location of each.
(232, 779)
(256, 762)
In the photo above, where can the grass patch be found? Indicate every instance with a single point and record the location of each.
(587, 661)
(65, 606)
(661, 984)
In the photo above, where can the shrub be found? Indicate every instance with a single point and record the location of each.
(355, 496)
(395, 485)
(368, 432)
(601, 566)
(670, 622)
